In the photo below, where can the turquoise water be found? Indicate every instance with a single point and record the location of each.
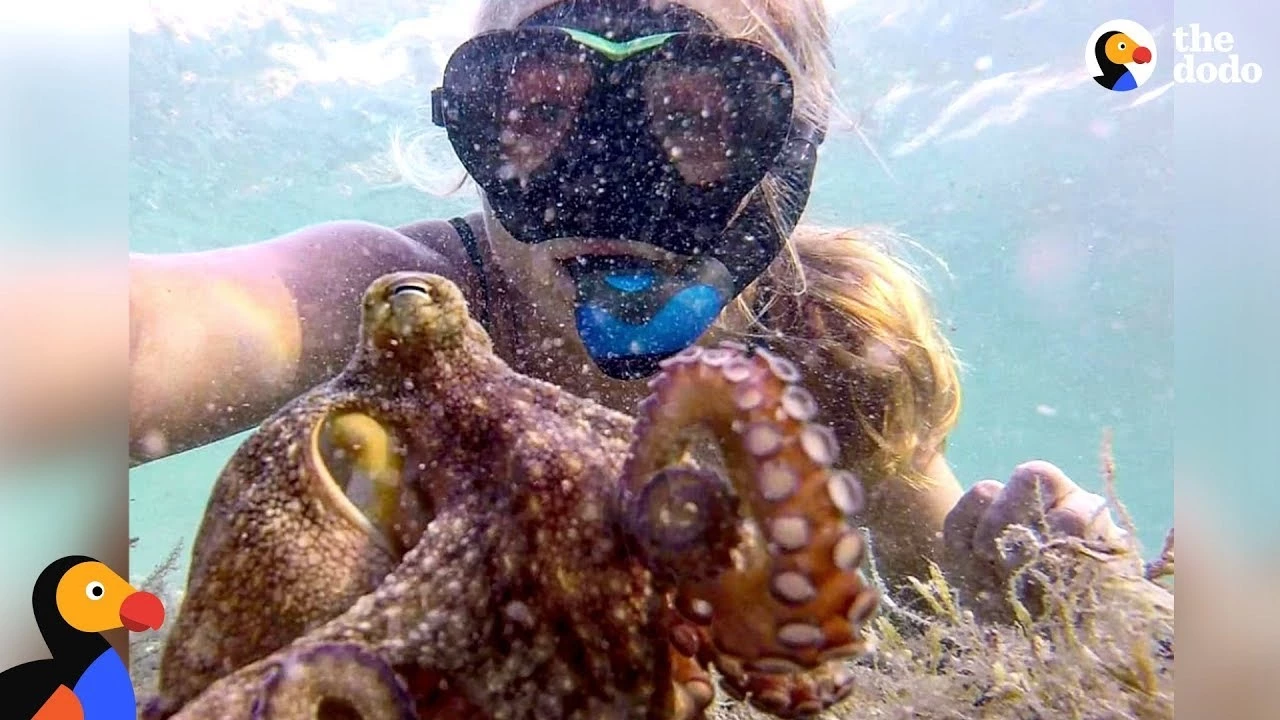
(1045, 199)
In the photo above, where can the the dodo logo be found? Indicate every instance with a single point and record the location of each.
(1121, 55)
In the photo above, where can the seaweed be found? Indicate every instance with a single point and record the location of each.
(1091, 638)
(145, 648)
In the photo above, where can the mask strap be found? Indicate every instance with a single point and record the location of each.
(762, 234)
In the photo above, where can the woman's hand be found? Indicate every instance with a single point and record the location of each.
(1038, 496)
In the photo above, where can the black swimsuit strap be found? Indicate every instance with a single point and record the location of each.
(468, 238)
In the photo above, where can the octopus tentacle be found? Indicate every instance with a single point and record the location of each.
(436, 697)
(692, 690)
(283, 547)
(441, 630)
(325, 680)
(781, 619)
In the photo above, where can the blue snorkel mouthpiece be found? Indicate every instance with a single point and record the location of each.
(632, 314)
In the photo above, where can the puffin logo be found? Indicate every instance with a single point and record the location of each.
(75, 599)
(1120, 55)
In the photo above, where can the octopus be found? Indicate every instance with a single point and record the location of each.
(431, 534)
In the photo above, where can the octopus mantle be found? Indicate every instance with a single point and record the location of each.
(431, 534)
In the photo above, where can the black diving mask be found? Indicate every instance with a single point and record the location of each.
(658, 140)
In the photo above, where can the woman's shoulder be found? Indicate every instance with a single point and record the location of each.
(317, 257)
(457, 239)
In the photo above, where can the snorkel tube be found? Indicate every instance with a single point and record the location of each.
(631, 318)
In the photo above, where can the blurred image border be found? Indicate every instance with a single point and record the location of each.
(64, 209)
(1226, 340)
(64, 213)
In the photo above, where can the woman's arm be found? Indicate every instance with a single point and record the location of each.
(906, 521)
(221, 339)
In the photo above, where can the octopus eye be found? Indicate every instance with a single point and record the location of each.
(361, 466)
(409, 287)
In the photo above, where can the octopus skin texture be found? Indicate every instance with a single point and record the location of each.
(432, 535)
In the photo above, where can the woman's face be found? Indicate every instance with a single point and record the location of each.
(539, 289)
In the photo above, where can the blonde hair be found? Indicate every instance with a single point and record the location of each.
(858, 317)
(863, 328)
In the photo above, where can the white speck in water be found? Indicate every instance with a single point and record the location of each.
(154, 443)
(1046, 410)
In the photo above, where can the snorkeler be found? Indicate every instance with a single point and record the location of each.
(643, 167)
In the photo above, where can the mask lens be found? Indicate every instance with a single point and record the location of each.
(716, 109)
(510, 101)
(689, 112)
(539, 106)
(657, 139)
(721, 109)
